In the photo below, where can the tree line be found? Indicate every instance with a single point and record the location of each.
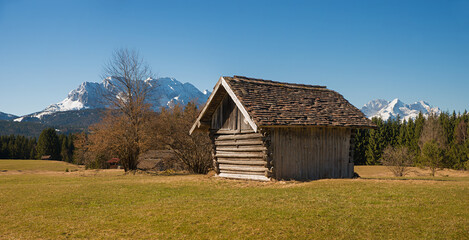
(56, 146)
(165, 130)
(436, 141)
(130, 128)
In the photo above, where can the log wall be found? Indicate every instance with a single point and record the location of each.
(311, 153)
(238, 152)
(240, 155)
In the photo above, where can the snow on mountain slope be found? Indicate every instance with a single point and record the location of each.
(391, 109)
(371, 108)
(165, 92)
(6, 116)
(87, 95)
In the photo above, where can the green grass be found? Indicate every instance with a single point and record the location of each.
(110, 205)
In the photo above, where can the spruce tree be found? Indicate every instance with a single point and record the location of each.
(402, 140)
(64, 149)
(375, 142)
(48, 144)
(361, 143)
(70, 148)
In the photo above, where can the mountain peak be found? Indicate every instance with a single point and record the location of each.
(165, 92)
(391, 109)
(395, 101)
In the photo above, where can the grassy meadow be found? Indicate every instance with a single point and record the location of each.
(39, 200)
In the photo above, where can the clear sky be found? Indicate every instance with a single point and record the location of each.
(412, 50)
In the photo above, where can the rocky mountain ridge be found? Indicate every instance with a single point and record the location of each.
(391, 109)
(165, 92)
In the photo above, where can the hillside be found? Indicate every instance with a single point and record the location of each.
(65, 122)
(28, 129)
(6, 116)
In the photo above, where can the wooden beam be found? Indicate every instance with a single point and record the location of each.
(242, 159)
(238, 155)
(197, 121)
(237, 162)
(238, 136)
(243, 168)
(223, 131)
(243, 176)
(243, 172)
(241, 149)
(238, 142)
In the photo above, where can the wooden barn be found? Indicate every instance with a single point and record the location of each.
(264, 130)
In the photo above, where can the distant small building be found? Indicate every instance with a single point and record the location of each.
(264, 130)
(113, 163)
(159, 160)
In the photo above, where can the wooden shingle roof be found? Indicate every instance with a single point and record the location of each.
(276, 104)
(272, 103)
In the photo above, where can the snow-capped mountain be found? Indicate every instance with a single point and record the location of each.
(391, 109)
(6, 116)
(165, 92)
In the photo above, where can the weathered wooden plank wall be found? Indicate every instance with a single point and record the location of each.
(238, 150)
(295, 152)
(240, 155)
(311, 153)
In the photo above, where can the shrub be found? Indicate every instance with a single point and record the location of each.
(432, 156)
(397, 160)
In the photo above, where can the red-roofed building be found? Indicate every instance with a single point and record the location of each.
(113, 163)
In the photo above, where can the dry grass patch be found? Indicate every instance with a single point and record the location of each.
(35, 166)
(112, 205)
(414, 172)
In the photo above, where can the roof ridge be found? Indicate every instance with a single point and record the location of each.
(275, 83)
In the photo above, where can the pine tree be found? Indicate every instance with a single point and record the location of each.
(64, 149)
(401, 139)
(419, 122)
(48, 144)
(361, 143)
(70, 148)
(376, 142)
(447, 123)
(32, 153)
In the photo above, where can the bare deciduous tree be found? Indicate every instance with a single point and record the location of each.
(173, 130)
(123, 131)
(397, 160)
(460, 132)
(432, 131)
(81, 148)
(432, 143)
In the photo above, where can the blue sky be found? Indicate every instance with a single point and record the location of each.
(412, 50)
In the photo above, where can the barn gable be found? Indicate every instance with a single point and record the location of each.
(220, 92)
(263, 129)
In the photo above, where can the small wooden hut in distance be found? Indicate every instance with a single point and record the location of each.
(264, 130)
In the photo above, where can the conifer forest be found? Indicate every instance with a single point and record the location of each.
(440, 140)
